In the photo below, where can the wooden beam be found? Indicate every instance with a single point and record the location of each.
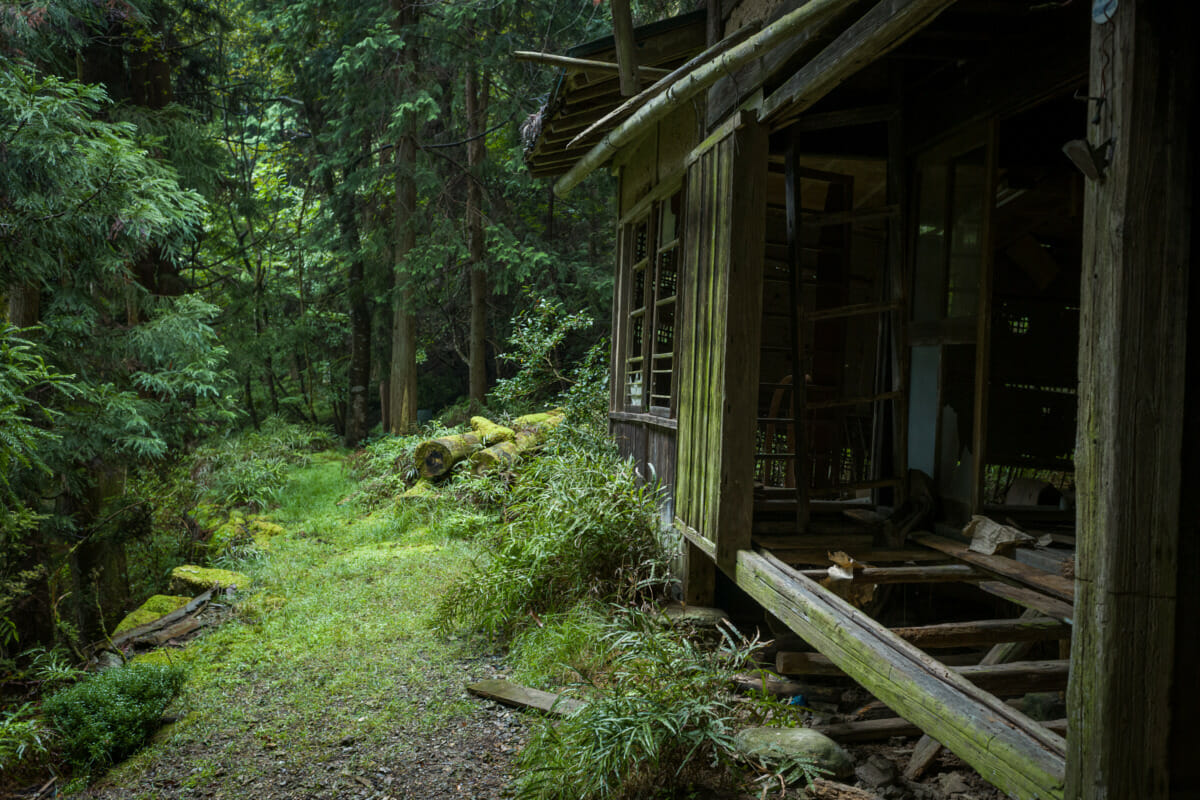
(990, 631)
(582, 64)
(809, 555)
(624, 110)
(844, 118)
(948, 573)
(1012, 750)
(1013, 678)
(514, 694)
(1028, 598)
(1054, 585)
(1135, 342)
(626, 47)
(875, 730)
(812, 13)
(883, 28)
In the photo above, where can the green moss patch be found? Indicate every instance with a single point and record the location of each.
(199, 579)
(157, 606)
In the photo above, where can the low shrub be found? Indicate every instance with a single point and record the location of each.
(565, 648)
(659, 721)
(580, 526)
(22, 735)
(105, 717)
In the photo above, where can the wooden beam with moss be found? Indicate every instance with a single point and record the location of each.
(1015, 753)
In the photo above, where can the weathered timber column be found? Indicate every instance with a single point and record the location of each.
(1132, 698)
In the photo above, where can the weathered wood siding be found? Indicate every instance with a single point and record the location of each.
(718, 347)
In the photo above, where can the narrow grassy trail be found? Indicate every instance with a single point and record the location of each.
(329, 681)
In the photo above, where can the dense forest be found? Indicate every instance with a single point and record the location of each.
(216, 213)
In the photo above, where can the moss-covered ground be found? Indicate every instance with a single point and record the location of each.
(330, 681)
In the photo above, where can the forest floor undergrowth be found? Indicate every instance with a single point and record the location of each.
(331, 681)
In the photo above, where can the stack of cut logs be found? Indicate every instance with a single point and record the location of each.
(487, 445)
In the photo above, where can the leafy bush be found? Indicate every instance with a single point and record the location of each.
(582, 526)
(539, 333)
(249, 469)
(659, 721)
(21, 735)
(107, 716)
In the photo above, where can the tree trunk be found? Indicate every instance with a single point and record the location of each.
(402, 399)
(476, 107)
(24, 305)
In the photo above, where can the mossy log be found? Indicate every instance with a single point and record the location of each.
(437, 456)
(551, 418)
(489, 432)
(528, 436)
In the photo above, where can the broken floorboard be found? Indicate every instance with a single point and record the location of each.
(1016, 753)
(1018, 677)
(514, 694)
(877, 730)
(1054, 585)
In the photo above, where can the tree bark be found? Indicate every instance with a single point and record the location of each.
(476, 108)
(402, 381)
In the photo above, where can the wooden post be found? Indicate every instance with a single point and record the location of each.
(626, 47)
(742, 325)
(1132, 699)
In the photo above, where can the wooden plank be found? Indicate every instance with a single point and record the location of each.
(1014, 678)
(1135, 471)
(584, 64)
(1029, 598)
(195, 605)
(990, 631)
(514, 694)
(881, 29)
(875, 730)
(647, 419)
(800, 555)
(1014, 752)
(1054, 585)
(949, 573)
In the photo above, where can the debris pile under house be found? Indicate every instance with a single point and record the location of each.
(901, 322)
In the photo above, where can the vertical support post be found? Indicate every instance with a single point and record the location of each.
(738, 409)
(626, 47)
(983, 329)
(1128, 734)
(899, 281)
(799, 443)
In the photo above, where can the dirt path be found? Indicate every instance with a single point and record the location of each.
(330, 682)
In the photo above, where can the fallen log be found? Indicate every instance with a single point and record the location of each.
(194, 607)
(531, 432)
(490, 432)
(436, 457)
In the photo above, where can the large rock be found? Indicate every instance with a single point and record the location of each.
(774, 744)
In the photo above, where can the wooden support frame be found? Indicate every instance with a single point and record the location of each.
(626, 46)
(1015, 753)
(1136, 396)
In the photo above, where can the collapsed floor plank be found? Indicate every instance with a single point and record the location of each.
(514, 694)
(1054, 585)
(1017, 754)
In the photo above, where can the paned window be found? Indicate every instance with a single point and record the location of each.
(654, 248)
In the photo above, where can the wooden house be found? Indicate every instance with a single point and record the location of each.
(881, 264)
